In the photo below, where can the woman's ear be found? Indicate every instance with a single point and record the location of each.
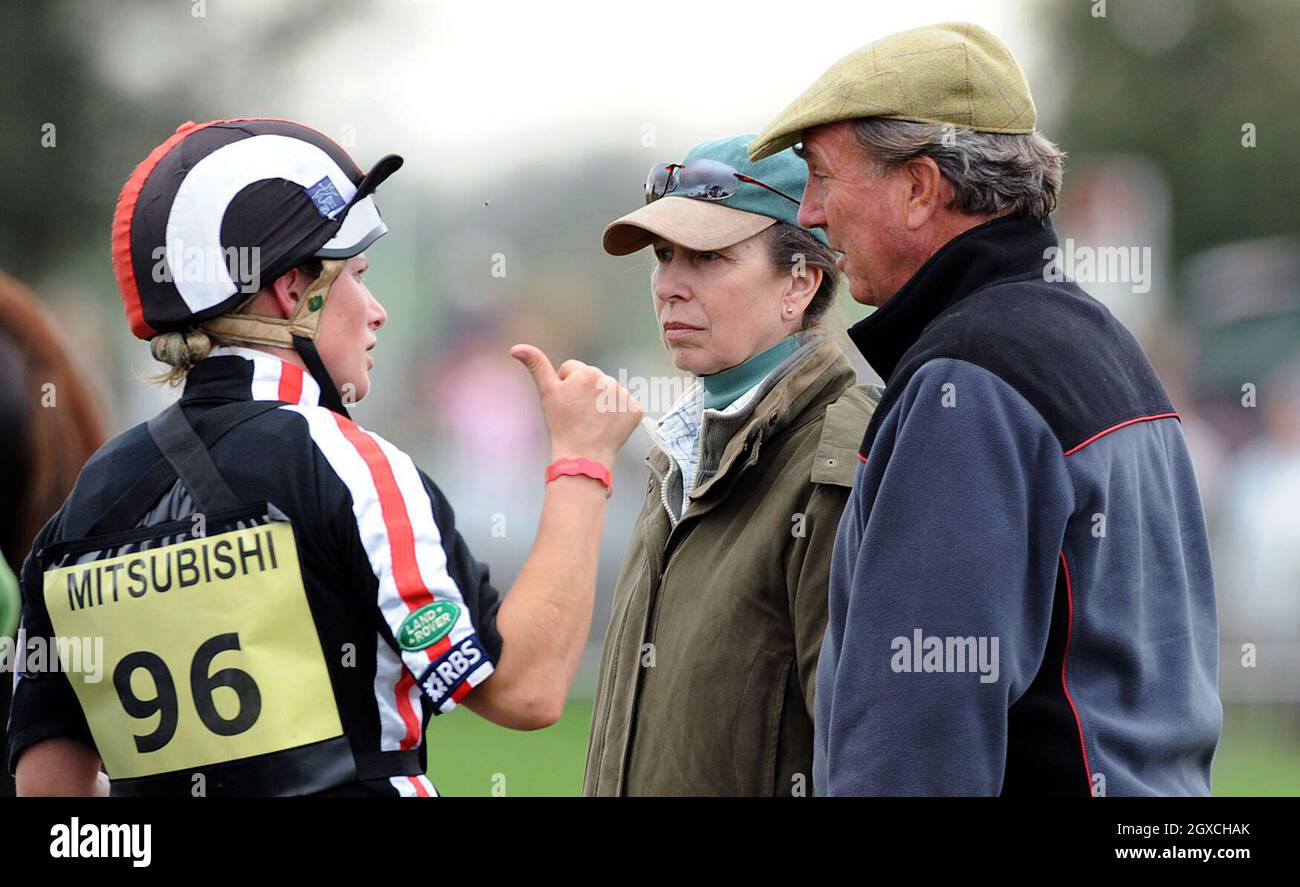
(805, 280)
(286, 290)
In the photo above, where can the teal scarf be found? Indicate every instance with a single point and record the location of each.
(722, 389)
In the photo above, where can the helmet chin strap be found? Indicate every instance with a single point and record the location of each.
(297, 332)
(329, 393)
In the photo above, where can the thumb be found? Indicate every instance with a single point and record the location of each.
(537, 364)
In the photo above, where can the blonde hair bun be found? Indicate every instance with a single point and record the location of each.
(180, 351)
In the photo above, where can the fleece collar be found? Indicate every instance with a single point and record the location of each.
(1001, 249)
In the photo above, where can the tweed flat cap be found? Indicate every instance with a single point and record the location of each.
(954, 73)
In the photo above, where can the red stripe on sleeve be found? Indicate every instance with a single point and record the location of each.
(397, 523)
(406, 710)
(439, 648)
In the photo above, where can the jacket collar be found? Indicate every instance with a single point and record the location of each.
(236, 373)
(781, 407)
(1005, 247)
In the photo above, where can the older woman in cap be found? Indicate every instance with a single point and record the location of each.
(706, 681)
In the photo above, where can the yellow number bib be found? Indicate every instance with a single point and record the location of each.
(210, 651)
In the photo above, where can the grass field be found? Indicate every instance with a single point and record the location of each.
(468, 756)
(1259, 753)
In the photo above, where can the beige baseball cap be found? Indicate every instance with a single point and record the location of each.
(768, 192)
(954, 73)
(692, 223)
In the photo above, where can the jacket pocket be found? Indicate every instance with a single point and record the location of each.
(756, 724)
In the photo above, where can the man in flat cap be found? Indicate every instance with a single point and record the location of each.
(1020, 596)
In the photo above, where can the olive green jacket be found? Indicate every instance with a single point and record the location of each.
(706, 680)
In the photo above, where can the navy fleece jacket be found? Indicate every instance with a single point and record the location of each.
(1020, 597)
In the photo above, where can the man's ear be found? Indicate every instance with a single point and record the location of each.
(927, 191)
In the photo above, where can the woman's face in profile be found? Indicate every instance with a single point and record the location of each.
(718, 308)
(348, 325)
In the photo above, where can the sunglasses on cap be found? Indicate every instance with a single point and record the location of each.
(701, 179)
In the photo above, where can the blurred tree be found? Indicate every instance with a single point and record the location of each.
(74, 121)
(1177, 80)
(49, 98)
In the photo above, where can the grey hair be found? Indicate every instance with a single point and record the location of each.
(991, 173)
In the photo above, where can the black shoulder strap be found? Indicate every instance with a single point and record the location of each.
(183, 448)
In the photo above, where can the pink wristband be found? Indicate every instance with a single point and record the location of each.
(583, 468)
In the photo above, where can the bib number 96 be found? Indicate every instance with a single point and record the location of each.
(203, 683)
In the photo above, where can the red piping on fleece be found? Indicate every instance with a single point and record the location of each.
(1069, 628)
(1076, 449)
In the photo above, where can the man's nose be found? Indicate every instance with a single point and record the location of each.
(811, 213)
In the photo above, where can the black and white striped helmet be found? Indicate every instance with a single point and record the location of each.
(223, 207)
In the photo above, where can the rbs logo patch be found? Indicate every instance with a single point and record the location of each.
(445, 676)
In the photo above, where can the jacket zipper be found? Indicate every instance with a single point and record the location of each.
(663, 496)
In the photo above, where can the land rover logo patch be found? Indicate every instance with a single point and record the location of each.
(427, 625)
